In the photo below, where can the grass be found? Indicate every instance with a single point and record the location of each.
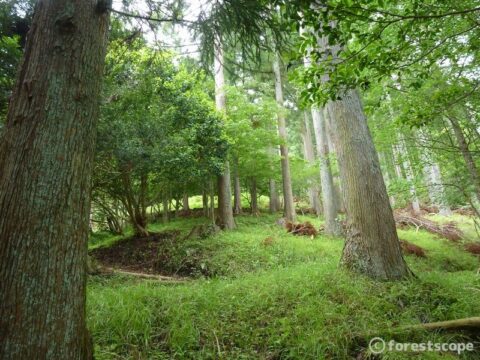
(288, 300)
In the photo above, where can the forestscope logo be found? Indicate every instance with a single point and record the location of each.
(378, 346)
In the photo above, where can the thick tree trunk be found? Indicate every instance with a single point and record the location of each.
(237, 192)
(254, 196)
(309, 154)
(225, 211)
(330, 207)
(467, 156)
(372, 246)
(289, 206)
(46, 156)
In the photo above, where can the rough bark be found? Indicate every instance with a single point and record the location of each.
(330, 207)
(225, 211)
(289, 206)
(46, 156)
(372, 246)
(313, 192)
(467, 155)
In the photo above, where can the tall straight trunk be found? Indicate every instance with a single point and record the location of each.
(212, 201)
(433, 178)
(467, 155)
(225, 211)
(330, 207)
(372, 246)
(313, 192)
(408, 168)
(254, 196)
(289, 206)
(237, 191)
(205, 203)
(46, 156)
(273, 201)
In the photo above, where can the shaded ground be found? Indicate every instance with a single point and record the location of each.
(136, 254)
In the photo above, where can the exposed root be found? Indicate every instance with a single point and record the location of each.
(167, 279)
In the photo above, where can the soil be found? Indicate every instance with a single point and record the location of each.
(135, 254)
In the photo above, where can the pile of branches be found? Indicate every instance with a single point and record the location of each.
(305, 228)
(449, 230)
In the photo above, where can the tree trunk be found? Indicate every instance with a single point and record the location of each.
(407, 166)
(205, 203)
(237, 192)
(46, 156)
(186, 205)
(330, 207)
(254, 196)
(310, 158)
(467, 156)
(273, 202)
(165, 202)
(225, 211)
(372, 246)
(433, 177)
(289, 206)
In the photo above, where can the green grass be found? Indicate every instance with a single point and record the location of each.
(288, 300)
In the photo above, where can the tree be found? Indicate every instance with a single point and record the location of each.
(372, 246)
(289, 206)
(225, 210)
(46, 156)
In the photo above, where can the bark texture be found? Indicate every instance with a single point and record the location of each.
(274, 203)
(330, 207)
(46, 155)
(254, 196)
(289, 206)
(225, 211)
(372, 246)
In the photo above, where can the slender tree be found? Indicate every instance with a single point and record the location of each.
(46, 155)
(225, 210)
(289, 207)
(330, 208)
(309, 153)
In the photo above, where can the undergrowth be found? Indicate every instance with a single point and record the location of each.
(287, 300)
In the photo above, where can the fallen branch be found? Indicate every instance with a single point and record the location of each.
(162, 278)
(459, 324)
(449, 230)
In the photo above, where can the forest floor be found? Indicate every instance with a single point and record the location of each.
(260, 293)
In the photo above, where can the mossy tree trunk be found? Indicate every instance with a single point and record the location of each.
(46, 156)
